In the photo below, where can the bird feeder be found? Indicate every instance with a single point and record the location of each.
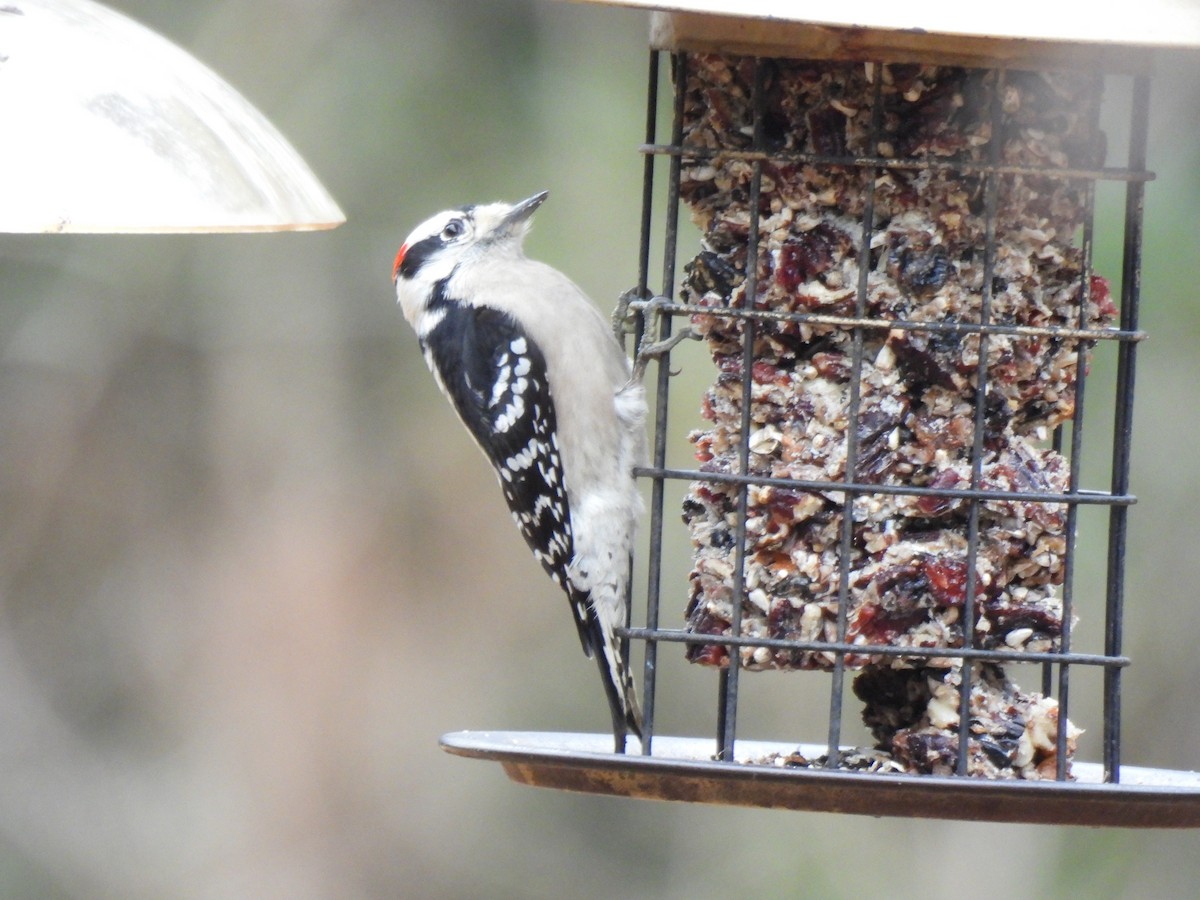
(894, 282)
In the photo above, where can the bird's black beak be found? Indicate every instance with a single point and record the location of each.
(522, 211)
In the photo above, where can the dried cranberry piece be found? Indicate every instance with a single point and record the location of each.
(783, 502)
(876, 457)
(941, 433)
(947, 579)
(1026, 473)
(780, 618)
(728, 363)
(883, 626)
(1101, 295)
(1006, 618)
(832, 365)
(827, 131)
(997, 412)
(923, 360)
(707, 654)
(931, 505)
(715, 498)
(764, 372)
(808, 255)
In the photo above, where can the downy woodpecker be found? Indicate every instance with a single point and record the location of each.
(537, 377)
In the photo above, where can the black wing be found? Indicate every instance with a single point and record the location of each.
(496, 378)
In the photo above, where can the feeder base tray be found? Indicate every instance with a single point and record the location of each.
(684, 769)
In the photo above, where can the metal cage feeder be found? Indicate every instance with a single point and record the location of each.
(937, 331)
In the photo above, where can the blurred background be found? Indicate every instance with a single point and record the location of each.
(251, 567)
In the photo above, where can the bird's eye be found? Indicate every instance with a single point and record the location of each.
(454, 228)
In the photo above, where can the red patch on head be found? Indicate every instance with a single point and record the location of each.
(398, 263)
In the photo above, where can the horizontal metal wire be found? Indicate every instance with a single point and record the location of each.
(1087, 498)
(942, 327)
(679, 636)
(888, 162)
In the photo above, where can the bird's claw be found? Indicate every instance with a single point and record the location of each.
(653, 345)
(623, 321)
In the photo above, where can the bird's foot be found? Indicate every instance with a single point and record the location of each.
(624, 322)
(654, 345)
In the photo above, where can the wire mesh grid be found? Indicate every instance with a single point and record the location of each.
(1057, 663)
(686, 768)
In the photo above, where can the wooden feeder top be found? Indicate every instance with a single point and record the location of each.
(1021, 33)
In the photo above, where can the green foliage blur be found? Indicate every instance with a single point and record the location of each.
(251, 567)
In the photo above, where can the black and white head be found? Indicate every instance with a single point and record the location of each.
(457, 237)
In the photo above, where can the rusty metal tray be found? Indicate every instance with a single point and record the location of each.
(683, 769)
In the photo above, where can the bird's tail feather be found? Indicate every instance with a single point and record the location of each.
(620, 689)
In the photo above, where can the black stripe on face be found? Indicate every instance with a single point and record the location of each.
(417, 255)
(438, 299)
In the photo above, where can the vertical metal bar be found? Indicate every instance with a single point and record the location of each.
(1131, 287)
(991, 201)
(1056, 444)
(671, 231)
(643, 279)
(728, 686)
(730, 676)
(837, 685)
(1082, 349)
(648, 177)
(654, 583)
